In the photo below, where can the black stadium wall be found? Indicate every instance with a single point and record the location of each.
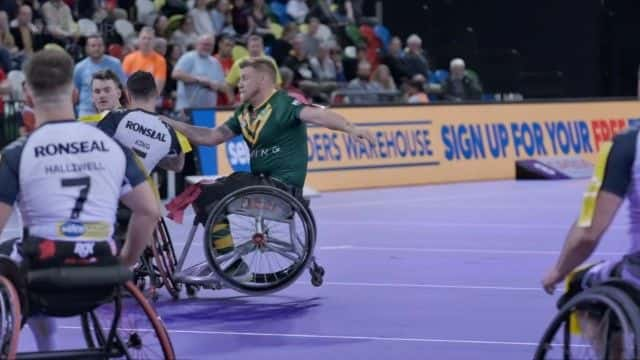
(542, 48)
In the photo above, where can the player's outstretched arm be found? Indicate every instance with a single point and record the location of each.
(145, 213)
(334, 121)
(201, 135)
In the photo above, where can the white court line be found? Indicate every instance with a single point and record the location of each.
(455, 251)
(457, 225)
(425, 286)
(411, 200)
(339, 337)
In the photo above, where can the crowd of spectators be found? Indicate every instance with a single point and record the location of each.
(326, 50)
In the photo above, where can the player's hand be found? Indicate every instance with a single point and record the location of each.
(363, 134)
(550, 281)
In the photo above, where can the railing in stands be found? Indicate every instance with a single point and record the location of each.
(365, 97)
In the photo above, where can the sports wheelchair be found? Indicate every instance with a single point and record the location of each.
(113, 325)
(158, 263)
(600, 322)
(274, 235)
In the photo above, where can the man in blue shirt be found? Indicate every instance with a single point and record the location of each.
(200, 76)
(96, 60)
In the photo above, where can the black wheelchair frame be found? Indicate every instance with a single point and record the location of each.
(282, 278)
(72, 291)
(620, 297)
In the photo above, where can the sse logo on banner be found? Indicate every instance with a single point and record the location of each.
(238, 154)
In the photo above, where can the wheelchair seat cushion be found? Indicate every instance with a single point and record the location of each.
(70, 291)
(216, 191)
(78, 278)
(67, 278)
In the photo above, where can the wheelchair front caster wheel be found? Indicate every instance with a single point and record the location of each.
(192, 290)
(318, 270)
(316, 280)
(141, 283)
(154, 295)
(317, 275)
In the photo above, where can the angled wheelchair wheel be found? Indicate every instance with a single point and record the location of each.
(165, 258)
(139, 331)
(598, 323)
(269, 238)
(10, 319)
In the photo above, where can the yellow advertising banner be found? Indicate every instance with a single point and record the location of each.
(448, 143)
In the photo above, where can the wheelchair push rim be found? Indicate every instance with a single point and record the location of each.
(10, 317)
(261, 219)
(612, 326)
(139, 331)
(165, 258)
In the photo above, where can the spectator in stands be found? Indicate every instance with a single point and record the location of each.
(202, 21)
(298, 10)
(322, 10)
(281, 48)
(6, 39)
(160, 46)
(221, 17)
(225, 52)
(394, 59)
(298, 61)
(146, 59)
(107, 26)
(348, 11)
(310, 41)
(459, 86)
(415, 91)
(414, 58)
(256, 50)
(323, 65)
(317, 33)
(95, 61)
(186, 35)
(240, 17)
(10, 7)
(86, 9)
(161, 26)
(199, 75)
(174, 53)
(336, 56)
(382, 76)
(287, 85)
(362, 86)
(225, 58)
(27, 36)
(259, 22)
(60, 24)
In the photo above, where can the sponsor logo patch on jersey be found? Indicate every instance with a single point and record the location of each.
(72, 229)
(83, 249)
(88, 231)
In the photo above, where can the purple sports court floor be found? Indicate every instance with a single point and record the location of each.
(431, 272)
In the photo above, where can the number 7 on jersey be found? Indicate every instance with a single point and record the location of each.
(85, 184)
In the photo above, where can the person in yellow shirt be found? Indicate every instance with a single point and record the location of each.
(255, 46)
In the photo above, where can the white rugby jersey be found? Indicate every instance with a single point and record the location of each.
(144, 133)
(67, 178)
